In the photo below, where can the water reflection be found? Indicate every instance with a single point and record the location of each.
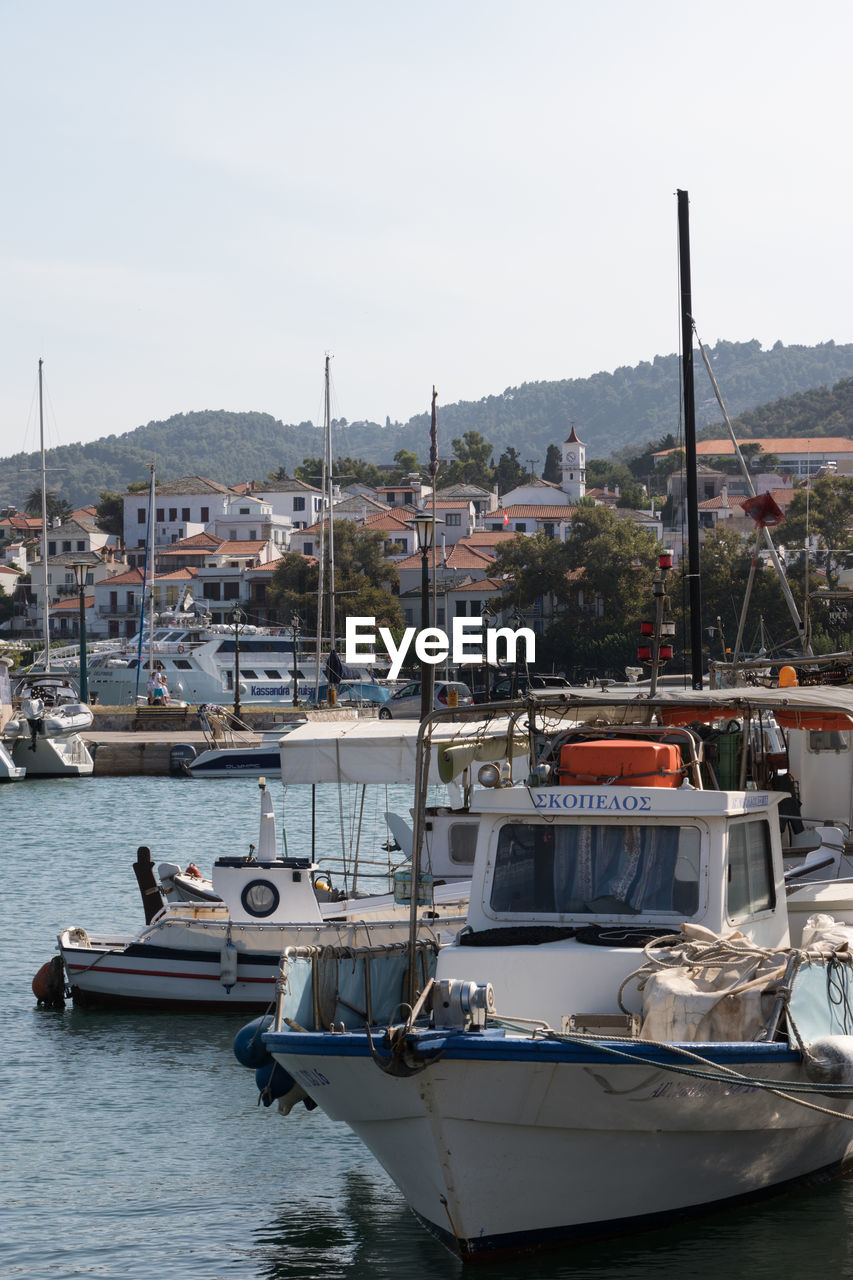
(365, 1231)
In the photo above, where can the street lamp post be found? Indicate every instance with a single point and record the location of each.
(488, 617)
(424, 525)
(238, 620)
(80, 568)
(296, 628)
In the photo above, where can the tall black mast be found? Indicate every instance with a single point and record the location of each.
(694, 585)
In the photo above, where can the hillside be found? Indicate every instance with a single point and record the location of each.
(780, 391)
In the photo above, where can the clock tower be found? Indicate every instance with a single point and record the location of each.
(574, 467)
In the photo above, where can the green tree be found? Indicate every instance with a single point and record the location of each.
(57, 508)
(310, 472)
(109, 513)
(553, 468)
(471, 462)
(601, 473)
(364, 581)
(615, 560)
(509, 473)
(825, 513)
(407, 464)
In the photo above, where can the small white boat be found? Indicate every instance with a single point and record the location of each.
(633, 1026)
(233, 750)
(222, 952)
(44, 735)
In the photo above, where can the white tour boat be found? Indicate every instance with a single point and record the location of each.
(633, 1025)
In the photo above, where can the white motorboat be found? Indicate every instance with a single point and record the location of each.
(233, 750)
(44, 735)
(633, 1025)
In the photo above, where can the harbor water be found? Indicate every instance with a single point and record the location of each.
(132, 1145)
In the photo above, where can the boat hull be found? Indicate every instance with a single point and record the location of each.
(517, 1145)
(178, 964)
(60, 757)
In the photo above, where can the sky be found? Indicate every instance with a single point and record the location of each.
(201, 198)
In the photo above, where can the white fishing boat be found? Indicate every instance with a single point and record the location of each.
(223, 954)
(633, 1025)
(43, 736)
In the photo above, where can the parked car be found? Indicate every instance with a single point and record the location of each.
(406, 702)
(541, 685)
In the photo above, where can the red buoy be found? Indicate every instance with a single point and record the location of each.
(49, 983)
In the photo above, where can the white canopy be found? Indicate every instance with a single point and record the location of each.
(383, 751)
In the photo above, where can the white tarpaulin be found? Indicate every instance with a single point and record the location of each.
(383, 751)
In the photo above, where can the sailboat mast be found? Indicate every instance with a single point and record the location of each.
(46, 597)
(329, 478)
(694, 585)
(149, 558)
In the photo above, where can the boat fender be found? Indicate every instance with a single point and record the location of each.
(49, 984)
(829, 1060)
(228, 964)
(274, 1084)
(249, 1048)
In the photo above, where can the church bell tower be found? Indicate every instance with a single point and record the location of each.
(574, 467)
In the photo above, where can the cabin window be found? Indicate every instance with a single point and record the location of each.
(828, 740)
(462, 842)
(272, 675)
(596, 869)
(749, 887)
(182, 664)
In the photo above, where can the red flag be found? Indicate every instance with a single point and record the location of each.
(506, 518)
(763, 510)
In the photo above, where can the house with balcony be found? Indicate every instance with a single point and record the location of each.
(181, 508)
(249, 518)
(411, 492)
(223, 581)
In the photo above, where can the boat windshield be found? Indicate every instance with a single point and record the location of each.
(596, 869)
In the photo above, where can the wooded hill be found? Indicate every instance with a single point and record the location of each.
(781, 391)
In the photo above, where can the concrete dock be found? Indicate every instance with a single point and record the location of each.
(127, 741)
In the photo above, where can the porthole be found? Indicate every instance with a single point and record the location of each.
(260, 898)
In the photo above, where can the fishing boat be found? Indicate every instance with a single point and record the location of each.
(222, 953)
(633, 1024)
(648, 1012)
